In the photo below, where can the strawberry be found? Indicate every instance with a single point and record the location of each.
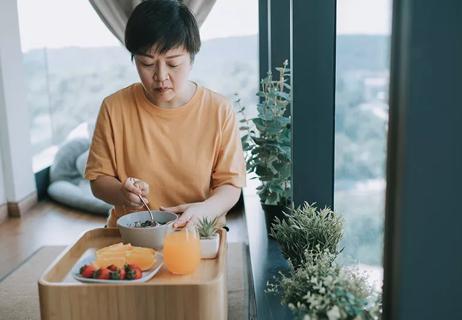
(132, 272)
(87, 271)
(102, 273)
(113, 267)
(118, 274)
(133, 267)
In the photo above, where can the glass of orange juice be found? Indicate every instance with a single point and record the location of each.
(182, 250)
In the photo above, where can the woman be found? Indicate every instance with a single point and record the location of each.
(166, 139)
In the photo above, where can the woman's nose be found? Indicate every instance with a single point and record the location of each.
(160, 74)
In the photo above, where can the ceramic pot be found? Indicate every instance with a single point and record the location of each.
(209, 247)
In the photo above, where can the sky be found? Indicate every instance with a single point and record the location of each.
(58, 23)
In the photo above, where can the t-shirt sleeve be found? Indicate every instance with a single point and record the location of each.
(101, 157)
(230, 165)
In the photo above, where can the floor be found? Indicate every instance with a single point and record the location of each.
(49, 223)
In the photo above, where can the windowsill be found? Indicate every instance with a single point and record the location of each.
(265, 257)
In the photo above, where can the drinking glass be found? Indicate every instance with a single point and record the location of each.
(182, 250)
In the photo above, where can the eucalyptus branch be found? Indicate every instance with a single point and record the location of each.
(269, 146)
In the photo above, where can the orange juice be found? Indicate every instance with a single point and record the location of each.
(181, 251)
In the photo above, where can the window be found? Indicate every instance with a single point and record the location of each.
(228, 60)
(362, 76)
(71, 63)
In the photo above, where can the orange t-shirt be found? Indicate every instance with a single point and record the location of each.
(182, 153)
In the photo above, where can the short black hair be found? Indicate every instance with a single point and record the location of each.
(167, 24)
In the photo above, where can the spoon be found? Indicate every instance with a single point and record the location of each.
(147, 207)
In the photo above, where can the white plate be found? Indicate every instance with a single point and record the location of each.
(146, 275)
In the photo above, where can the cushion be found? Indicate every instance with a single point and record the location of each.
(67, 183)
(81, 163)
(78, 196)
(63, 167)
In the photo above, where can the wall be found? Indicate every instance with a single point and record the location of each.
(2, 184)
(14, 118)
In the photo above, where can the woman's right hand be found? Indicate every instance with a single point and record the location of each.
(131, 189)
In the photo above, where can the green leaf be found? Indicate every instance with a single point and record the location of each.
(267, 137)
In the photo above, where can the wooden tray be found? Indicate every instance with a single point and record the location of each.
(201, 295)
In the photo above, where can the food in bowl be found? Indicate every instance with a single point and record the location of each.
(145, 224)
(147, 236)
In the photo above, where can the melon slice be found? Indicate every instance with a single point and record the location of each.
(143, 260)
(119, 254)
(105, 261)
(115, 248)
(142, 250)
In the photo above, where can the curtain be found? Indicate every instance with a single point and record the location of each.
(200, 9)
(115, 13)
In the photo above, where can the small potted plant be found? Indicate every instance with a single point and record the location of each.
(315, 286)
(266, 140)
(209, 239)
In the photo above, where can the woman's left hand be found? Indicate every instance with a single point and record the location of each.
(190, 212)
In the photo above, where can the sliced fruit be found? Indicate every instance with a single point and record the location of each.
(104, 261)
(119, 254)
(143, 250)
(118, 274)
(114, 246)
(132, 272)
(143, 260)
(102, 273)
(87, 271)
(118, 247)
(113, 267)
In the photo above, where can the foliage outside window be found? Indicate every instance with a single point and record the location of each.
(361, 120)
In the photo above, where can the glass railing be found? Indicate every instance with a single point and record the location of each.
(65, 88)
